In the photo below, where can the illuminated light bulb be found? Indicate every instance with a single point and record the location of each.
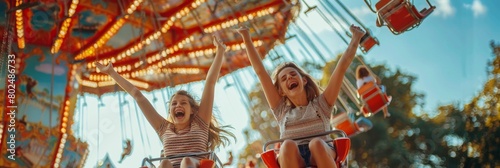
(71, 11)
(271, 10)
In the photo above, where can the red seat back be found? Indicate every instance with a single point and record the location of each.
(373, 98)
(206, 163)
(343, 122)
(384, 6)
(342, 146)
(348, 127)
(269, 158)
(402, 18)
(368, 42)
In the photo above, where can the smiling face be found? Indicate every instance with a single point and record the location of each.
(291, 82)
(180, 109)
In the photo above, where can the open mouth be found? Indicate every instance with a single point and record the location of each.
(292, 85)
(179, 114)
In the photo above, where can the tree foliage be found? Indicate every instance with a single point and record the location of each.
(471, 132)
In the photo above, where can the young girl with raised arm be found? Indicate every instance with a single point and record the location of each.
(299, 106)
(189, 127)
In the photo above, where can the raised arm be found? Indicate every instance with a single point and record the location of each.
(270, 91)
(207, 98)
(333, 88)
(147, 109)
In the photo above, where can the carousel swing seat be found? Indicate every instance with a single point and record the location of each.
(400, 15)
(211, 162)
(345, 123)
(341, 144)
(367, 42)
(374, 100)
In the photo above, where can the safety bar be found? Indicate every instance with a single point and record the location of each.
(212, 156)
(342, 133)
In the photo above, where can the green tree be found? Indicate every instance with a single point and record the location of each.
(471, 132)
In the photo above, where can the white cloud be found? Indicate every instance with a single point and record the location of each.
(47, 68)
(444, 8)
(362, 11)
(477, 8)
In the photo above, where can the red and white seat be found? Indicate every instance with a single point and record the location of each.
(341, 144)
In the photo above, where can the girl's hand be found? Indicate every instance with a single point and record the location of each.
(357, 32)
(244, 31)
(104, 69)
(221, 47)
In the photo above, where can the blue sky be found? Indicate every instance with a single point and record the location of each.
(448, 54)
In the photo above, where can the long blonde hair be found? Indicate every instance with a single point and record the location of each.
(311, 87)
(215, 138)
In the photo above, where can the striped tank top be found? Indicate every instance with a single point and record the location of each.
(305, 120)
(193, 139)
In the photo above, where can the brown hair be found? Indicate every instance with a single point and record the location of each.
(311, 87)
(215, 138)
(361, 72)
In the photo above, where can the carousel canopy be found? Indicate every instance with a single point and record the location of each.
(155, 44)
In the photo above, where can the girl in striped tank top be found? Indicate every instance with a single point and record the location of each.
(190, 127)
(298, 105)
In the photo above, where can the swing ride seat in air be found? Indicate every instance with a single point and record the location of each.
(341, 144)
(373, 99)
(400, 15)
(367, 42)
(345, 123)
(211, 162)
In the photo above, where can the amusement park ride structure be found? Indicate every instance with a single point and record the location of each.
(155, 45)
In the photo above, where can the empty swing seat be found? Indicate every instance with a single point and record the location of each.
(211, 162)
(341, 144)
(345, 123)
(400, 15)
(373, 99)
(367, 42)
